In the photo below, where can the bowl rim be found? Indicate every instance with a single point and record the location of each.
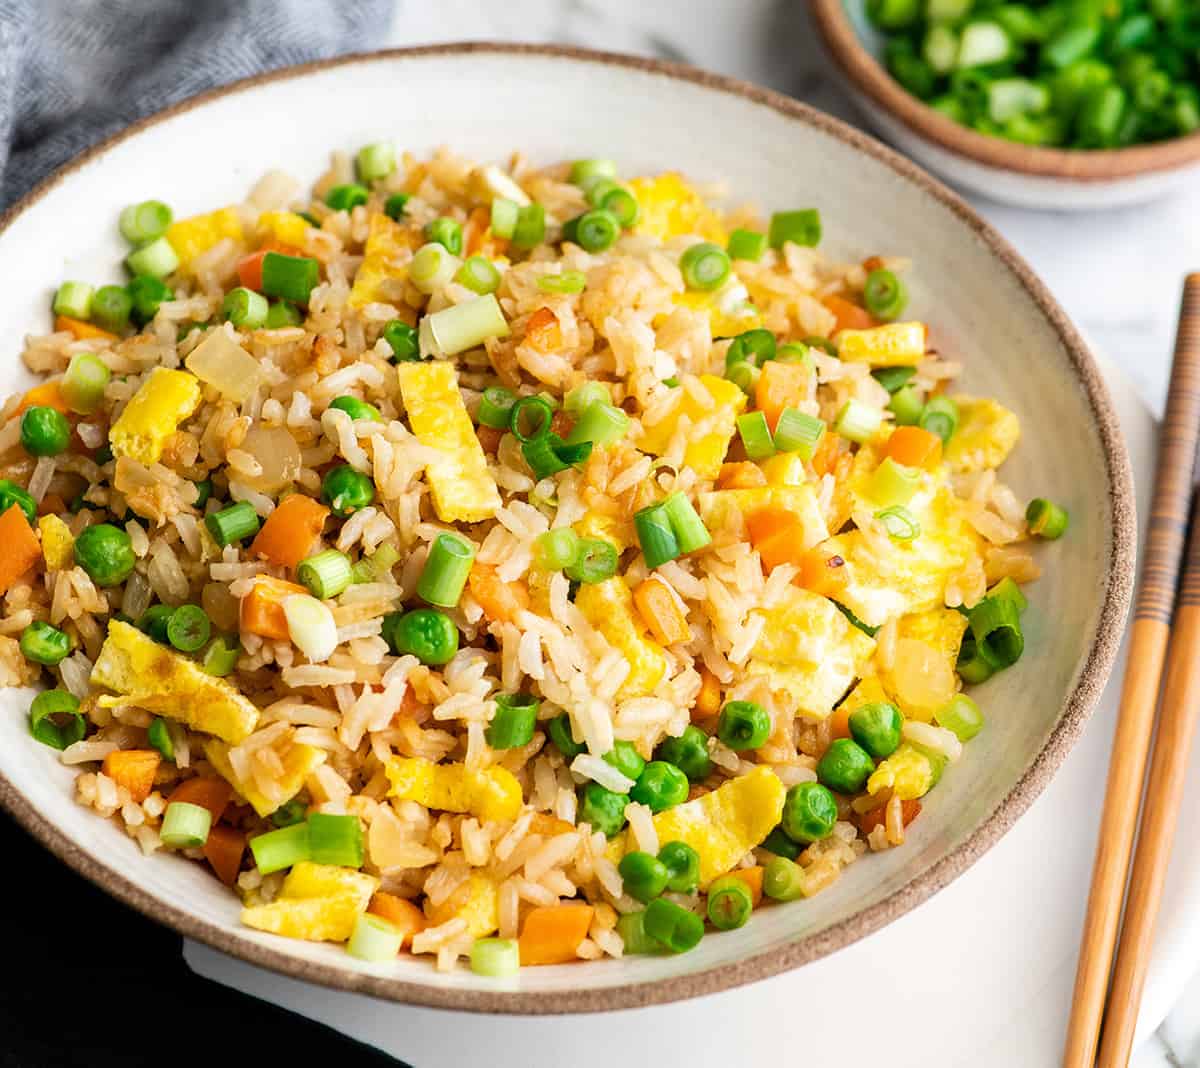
(870, 77)
(1077, 708)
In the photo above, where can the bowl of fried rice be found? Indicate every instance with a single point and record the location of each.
(527, 530)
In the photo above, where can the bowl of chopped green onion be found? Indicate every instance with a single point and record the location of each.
(1046, 104)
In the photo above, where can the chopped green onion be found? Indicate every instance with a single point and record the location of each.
(632, 929)
(961, 716)
(794, 352)
(446, 232)
(478, 274)
(84, 383)
(111, 308)
(347, 197)
(432, 266)
(157, 259)
(160, 738)
(446, 570)
(188, 628)
(74, 299)
(858, 422)
(530, 230)
(799, 433)
(289, 277)
(147, 293)
(514, 721)
(583, 169)
(754, 346)
(566, 282)
(893, 483)
(549, 454)
(704, 266)
(530, 419)
(983, 43)
(899, 522)
(42, 643)
(496, 958)
(595, 561)
(744, 375)
(690, 532)
(746, 245)
(374, 939)
(655, 535)
(996, 627)
(142, 223)
(1046, 519)
(885, 295)
(245, 308)
(907, 405)
(325, 575)
(185, 826)
(799, 227)
(621, 204)
(893, 378)
(940, 417)
(289, 813)
(593, 231)
(783, 879)
(601, 424)
(336, 840)
(394, 206)
(402, 339)
(555, 549)
(154, 622)
(231, 524)
(376, 161)
(221, 657)
(755, 433)
(462, 326)
(673, 926)
(971, 665)
(55, 719)
(495, 407)
(381, 562)
(579, 399)
(505, 214)
(281, 849)
(729, 903)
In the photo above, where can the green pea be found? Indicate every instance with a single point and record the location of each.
(559, 729)
(876, 727)
(683, 866)
(781, 845)
(427, 634)
(356, 408)
(603, 809)
(809, 813)
(44, 644)
(645, 876)
(660, 786)
(44, 431)
(626, 759)
(689, 753)
(346, 490)
(402, 339)
(105, 552)
(744, 725)
(845, 767)
(10, 494)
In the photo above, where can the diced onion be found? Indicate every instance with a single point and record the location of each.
(311, 626)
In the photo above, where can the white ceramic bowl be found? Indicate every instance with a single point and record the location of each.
(1025, 175)
(487, 100)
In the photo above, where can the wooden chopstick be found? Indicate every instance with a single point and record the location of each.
(1143, 673)
(1165, 782)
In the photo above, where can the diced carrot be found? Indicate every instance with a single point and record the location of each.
(708, 700)
(543, 332)
(753, 878)
(82, 331)
(873, 263)
(262, 608)
(821, 572)
(868, 821)
(134, 769)
(552, 934)
(500, 601)
(545, 824)
(769, 521)
(46, 395)
(224, 850)
(780, 548)
(287, 536)
(662, 610)
(21, 548)
(206, 791)
(825, 457)
(914, 447)
(781, 385)
(489, 437)
(849, 315)
(51, 504)
(477, 232)
(743, 475)
(839, 721)
(399, 912)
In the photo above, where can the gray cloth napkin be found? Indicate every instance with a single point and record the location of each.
(75, 71)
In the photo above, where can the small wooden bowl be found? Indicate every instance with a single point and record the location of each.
(1063, 179)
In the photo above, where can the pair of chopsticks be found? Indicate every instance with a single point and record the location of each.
(1166, 629)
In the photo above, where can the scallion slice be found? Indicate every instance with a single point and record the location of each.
(159, 737)
(74, 299)
(584, 169)
(579, 399)
(376, 161)
(689, 529)
(595, 561)
(497, 958)
(478, 274)
(221, 657)
(858, 422)
(374, 939)
(893, 484)
(800, 227)
(530, 418)
(798, 432)
(655, 535)
(1046, 519)
(432, 266)
(111, 308)
(185, 826)
(704, 266)
(505, 214)
(245, 308)
(336, 840)
(753, 346)
(940, 417)
(325, 575)
(601, 424)
(893, 378)
(140, 223)
(746, 245)
(55, 719)
(281, 849)
(495, 407)
(84, 383)
(446, 569)
(231, 524)
(530, 230)
(514, 721)
(565, 282)
(157, 259)
(755, 433)
(555, 549)
(996, 626)
(289, 277)
(744, 375)
(899, 522)
(462, 326)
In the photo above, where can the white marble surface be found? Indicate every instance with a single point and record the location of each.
(1117, 273)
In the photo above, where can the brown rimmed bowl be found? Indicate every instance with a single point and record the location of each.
(987, 309)
(1027, 175)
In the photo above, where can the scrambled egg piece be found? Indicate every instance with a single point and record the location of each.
(704, 454)
(869, 691)
(721, 826)
(850, 492)
(718, 509)
(477, 901)
(607, 528)
(58, 546)
(892, 345)
(286, 227)
(912, 576)
(163, 401)
(192, 236)
(299, 761)
(907, 772)
(726, 318)
(669, 207)
(922, 677)
(809, 649)
(463, 489)
(987, 432)
(490, 794)
(159, 680)
(317, 902)
(386, 239)
(608, 606)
